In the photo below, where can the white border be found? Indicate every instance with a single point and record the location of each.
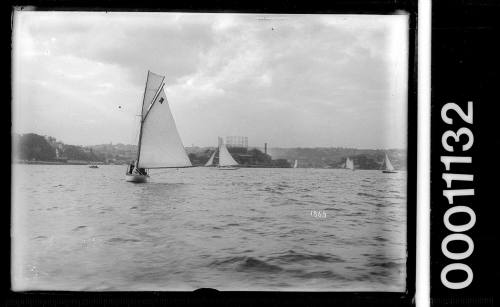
(422, 293)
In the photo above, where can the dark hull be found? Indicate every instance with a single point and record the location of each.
(136, 178)
(227, 168)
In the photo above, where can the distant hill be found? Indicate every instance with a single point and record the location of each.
(34, 147)
(334, 157)
(322, 157)
(116, 153)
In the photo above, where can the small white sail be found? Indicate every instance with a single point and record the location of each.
(388, 164)
(161, 145)
(211, 160)
(349, 164)
(295, 164)
(153, 83)
(225, 158)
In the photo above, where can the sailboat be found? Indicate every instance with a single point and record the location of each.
(349, 164)
(387, 166)
(210, 161)
(295, 164)
(226, 161)
(160, 145)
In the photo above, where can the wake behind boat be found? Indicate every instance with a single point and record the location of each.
(160, 145)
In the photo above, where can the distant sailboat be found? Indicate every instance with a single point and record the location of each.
(210, 161)
(226, 161)
(160, 145)
(387, 166)
(295, 164)
(349, 164)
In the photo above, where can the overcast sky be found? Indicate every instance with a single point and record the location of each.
(288, 80)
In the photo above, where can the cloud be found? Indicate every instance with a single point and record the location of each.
(127, 40)
(290, 80)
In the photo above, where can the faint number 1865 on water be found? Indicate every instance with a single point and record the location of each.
(318, 214)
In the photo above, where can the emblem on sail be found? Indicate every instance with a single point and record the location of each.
(160, 145)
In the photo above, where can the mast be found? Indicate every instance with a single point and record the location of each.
(140, 129)
(218, 151)
(219, 143)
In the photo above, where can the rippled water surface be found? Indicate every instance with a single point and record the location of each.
(77, 228)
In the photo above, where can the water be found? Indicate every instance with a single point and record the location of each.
(77, 228)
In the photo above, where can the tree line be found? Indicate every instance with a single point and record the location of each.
(34, 147)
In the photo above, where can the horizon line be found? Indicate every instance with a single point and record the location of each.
(213, 146)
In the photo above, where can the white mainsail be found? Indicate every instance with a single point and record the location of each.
(153, 83)
(225, 158)
(160, 143)
(349, 164)
(295, 164)
(211, 160)
(388, 164)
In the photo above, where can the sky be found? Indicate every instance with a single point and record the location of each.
(288, 80)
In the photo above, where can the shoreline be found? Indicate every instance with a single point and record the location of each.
(89, 163)
(59, 163)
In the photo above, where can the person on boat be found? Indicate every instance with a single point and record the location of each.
(141, 171)
(130, 168)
